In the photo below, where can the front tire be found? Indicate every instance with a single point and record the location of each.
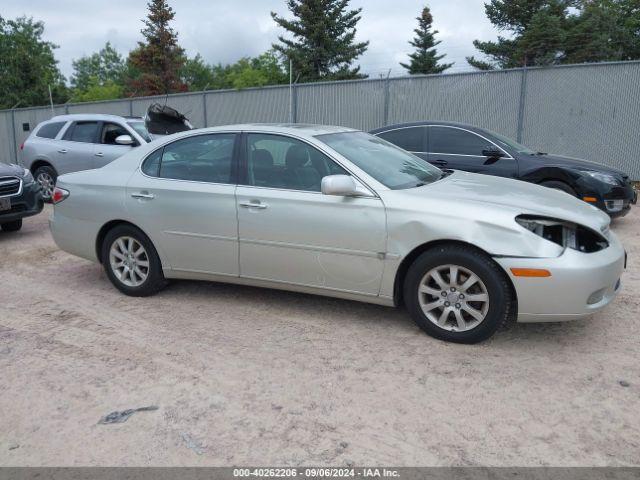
(458, 294)
(12, 226)
(131, 262)
(558, 185)
(46, 177)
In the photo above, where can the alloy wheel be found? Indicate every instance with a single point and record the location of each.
(453, 298)
(129, 261)
(47, 184)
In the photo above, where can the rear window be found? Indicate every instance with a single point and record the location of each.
(410, 139)
(84, 132)
(50, 130)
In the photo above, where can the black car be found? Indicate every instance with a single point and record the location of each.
(19, 197)
(464, 147)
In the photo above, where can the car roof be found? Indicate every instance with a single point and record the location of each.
(295, 129)
(425, 123)
(91, 116)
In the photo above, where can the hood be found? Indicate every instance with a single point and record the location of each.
(579, 164)
(11, 170)
(516, 197)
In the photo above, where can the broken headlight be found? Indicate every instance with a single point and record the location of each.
(565, 234)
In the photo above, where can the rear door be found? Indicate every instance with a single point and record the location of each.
(107, 150)
(461, 149)
(75, 149)
(183, 197)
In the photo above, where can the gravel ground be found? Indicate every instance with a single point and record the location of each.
(251, 376)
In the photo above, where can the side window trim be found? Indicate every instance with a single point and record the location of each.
(508, 155)
(234, 168)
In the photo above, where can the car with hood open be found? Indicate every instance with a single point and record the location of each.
(465, 147)
(70, 143)
(338, 212)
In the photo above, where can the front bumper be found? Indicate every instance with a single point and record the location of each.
(617, 201)
(27, 204)
(580, 285)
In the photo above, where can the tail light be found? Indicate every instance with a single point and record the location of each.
(59, 194)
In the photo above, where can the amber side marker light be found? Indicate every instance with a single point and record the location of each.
(530, 272)
(590, 199)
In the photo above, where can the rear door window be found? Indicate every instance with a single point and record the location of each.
(83, 132)
(456, 141)
(410, 139)
(203, 158)
(50, 130)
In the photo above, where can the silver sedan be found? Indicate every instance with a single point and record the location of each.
(338, 212)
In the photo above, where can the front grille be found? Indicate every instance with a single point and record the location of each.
(9, 186)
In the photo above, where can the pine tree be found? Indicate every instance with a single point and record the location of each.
(538, 31)
(323, 45)
(155, 65)
(425, 59)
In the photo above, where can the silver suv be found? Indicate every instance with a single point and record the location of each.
(68, 143)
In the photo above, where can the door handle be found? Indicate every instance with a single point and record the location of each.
(260, 206)
(99, 154)
(440, 163)
(64, 150)
(143, 195)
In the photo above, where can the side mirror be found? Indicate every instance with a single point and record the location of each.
(493, 152)
(340, 185)
(124, 140)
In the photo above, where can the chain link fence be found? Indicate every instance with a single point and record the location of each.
(586, 111)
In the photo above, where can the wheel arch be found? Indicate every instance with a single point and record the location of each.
(36, 164)
(110, 225)
(408, 260)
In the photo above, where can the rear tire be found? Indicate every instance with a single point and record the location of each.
(466, 309)
(12, 226)
(46, 177)
(131, 262)
(558, 185)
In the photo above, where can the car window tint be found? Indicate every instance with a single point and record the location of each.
(455, 141)
(84, 132)
(50, 130)
(410, 139)
(203, 158)
(111, 131)
(151, 165)
(281, 162)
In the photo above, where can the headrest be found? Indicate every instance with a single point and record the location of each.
(262, 159)
(297, 156)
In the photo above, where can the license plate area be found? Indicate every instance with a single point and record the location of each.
(5, 204)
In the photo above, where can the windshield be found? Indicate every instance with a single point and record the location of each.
(388, 164)
(506, 142)
(141, 130)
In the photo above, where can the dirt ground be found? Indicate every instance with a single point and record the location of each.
(250, 376)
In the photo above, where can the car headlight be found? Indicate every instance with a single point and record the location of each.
(566, 234)
(27, 178)
(603, 177)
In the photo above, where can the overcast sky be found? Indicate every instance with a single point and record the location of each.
(226, 30)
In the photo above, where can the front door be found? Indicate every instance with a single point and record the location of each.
(183, 197)
(460, 149)
(290, 232)
(107, 150)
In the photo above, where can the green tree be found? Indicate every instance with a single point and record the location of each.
(538, 30)
(197, 75)
(28, 66)
(323, 46)
(604, 30)
(97, 90)
(154, 67)
(425, 59)
(105, 66)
